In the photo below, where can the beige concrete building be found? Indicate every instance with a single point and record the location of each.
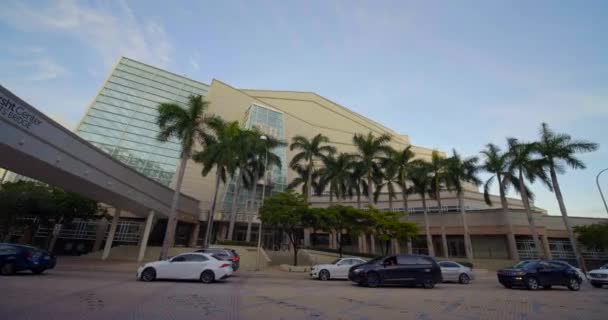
(308, 114)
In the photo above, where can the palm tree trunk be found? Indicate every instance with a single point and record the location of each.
(235, 198)
(444, 238)
(339, 196)
(505, 211)
(331, 195)
(211, 213)
(390, 201)
(404, 196)
(427, 227)
(169, 239)
(308, 193)
(468, 245)
(562, 208)
(532, 224)
(359, 197)
(370, 191)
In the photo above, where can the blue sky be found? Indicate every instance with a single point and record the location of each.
(451, 74)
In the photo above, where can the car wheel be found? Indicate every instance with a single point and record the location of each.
(207, 276)
(531, 283)
(373, 280)
(547, 287)
(149, 274)
(38, 270)
(7, 269)
(428, 284)
(324, 275)
(596, 285)
(574, 284)
(464, 279)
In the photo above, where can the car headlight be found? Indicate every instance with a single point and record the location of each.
(520, 273)
(357, 270)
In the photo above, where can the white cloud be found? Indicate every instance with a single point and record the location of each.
(193, 60)
(111, 29)
(43, 69)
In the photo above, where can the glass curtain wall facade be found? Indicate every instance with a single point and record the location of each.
(270, 122)
(122, 118)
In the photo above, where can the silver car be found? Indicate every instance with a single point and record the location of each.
(454, 271)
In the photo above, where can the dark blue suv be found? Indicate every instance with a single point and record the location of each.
(17, 257)
(534, 274)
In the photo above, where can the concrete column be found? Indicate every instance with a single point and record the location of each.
(196, 229)
(100, 233)
(396, 248)
(361, 243)
(372, 243)
(546, 249)
(333, 240)
(108, 246)
(221, 231)
(512, 246)
(248, 234)
(410, 250)
(144, 239)
(307, 233)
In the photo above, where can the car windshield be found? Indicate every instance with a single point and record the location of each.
(604, 267)
(524, 264)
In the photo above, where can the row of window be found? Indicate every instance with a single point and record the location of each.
(140, 90)
(135, 142)
(152, 82)
(161, 75)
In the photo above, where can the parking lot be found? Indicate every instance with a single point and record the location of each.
(102, 292)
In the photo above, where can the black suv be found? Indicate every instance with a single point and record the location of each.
(534, 274)
(224, 254)
(401, 269)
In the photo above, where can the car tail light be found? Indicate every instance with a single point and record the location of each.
(225, 265)
(29, 255)
(235, 259)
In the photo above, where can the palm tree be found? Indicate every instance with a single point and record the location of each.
(336, 173)
(521, 160)
(371, 152)
(262, 160)
(422, 180)
(558, 149)
(217, 155)
(358, 184)
(402, 161)
(302, 178)
(310, 150)
(438, 171)
(496, 162)
(185, 124)
(390, 179)
(458, 171)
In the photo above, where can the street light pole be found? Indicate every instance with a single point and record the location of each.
(257, 258)
(597, 181)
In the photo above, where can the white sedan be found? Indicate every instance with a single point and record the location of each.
(335, 270)
(454, 271)
(200, 266)
(599, 277)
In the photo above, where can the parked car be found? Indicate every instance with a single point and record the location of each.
(454, 271)
(195, 265)
(224, 254)
(400, 269)
(580, 272)
(17, 257)
(534, 274)
(599, 277)
(338, 269)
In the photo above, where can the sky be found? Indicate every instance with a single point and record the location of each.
(450, 74)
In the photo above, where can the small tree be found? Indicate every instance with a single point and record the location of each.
(593, 236)
(387, 226)
(22, 199)
(340, 219)
(286, 211)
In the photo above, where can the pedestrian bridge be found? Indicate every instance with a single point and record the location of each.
(33, 145)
